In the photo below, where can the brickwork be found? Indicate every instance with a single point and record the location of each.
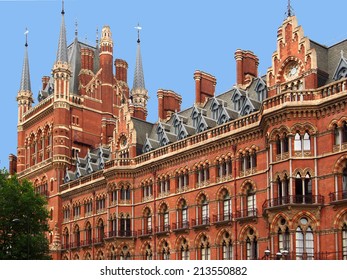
(274, 179)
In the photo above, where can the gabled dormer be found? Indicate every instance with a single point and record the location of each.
(215, 108)
(223, 116)
(247, 108)
(237, 100)
(163, 139)
(341, 69)
(261, 89)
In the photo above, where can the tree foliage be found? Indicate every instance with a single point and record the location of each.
(23, 220)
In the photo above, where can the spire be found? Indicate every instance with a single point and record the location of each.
(25, 80)
(62, 45)
(76, 29)
(139, 81)
(290, 11)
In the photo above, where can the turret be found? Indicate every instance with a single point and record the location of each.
(106, 64)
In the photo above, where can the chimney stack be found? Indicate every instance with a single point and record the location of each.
(121, 70)
(246, 67)
(205, 85)
(168, 102)
(45, 81)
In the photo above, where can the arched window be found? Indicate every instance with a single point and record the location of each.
(251, 246)
(307, 142)
(184, 250)
(344, 183)
(164, 218)
(337, 138)
(227, 247)
(88, 233)
(344, 242)
(285, 143)
(148, 252)
(304, 241)
(297, 142)
(344, 132)
(125, 226)
(226, 207)
(303, 188)
(125, 254)
(77, 237)
(205, 250)
(100, 231)
(203, 217)
(66, 239)
(182, 215)
(283, 240)
(278, 145)
(251, 202)
(147, 226)
(165, 251)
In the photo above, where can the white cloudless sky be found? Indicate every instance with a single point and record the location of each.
(178, 37)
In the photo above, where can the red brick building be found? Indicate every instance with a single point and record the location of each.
(256, 172)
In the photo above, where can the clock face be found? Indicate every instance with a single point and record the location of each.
(291, 71)
(123, 142)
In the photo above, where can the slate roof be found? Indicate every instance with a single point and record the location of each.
(93, 161)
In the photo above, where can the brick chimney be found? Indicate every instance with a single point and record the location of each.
(121, 70)
(205, 85)
(168, 102)
(246, 67)
(12, 164)
(87, 65)
(45, 80)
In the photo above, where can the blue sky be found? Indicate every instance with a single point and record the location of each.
(178, 37)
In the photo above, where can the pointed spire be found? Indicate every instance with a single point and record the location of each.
(62, 45)
(139, 81)
(25, 80)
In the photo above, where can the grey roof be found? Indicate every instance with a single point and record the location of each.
(74, 56)
(62, 45)
(139, 80)
(25, 84)
(93, 161)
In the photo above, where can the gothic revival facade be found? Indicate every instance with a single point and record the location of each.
(257, 172)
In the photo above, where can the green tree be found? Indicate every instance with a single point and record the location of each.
(23, 220)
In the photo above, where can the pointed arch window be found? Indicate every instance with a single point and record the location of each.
(148, 252)
(337, 136)
(165, 251)
(344, 132)
(205, 249)
(184, 250)
(304, 241)
(297, 142)
(251, 246)
(283, 240)
(307, 142)
(125, 254)
(344, 182)
(227, 247)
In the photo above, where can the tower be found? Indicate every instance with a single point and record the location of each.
(25, 101)
(139, 94)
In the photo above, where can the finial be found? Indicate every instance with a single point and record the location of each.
(62, 7)
(97, 36)
(289, 9)
(76, 28)
(26, 36)
(86, 39)
(138, 27)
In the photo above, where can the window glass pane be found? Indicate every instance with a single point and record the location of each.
(309, 244)
(297, 142)
(307, 143)
(344, 242)
(299, 236)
